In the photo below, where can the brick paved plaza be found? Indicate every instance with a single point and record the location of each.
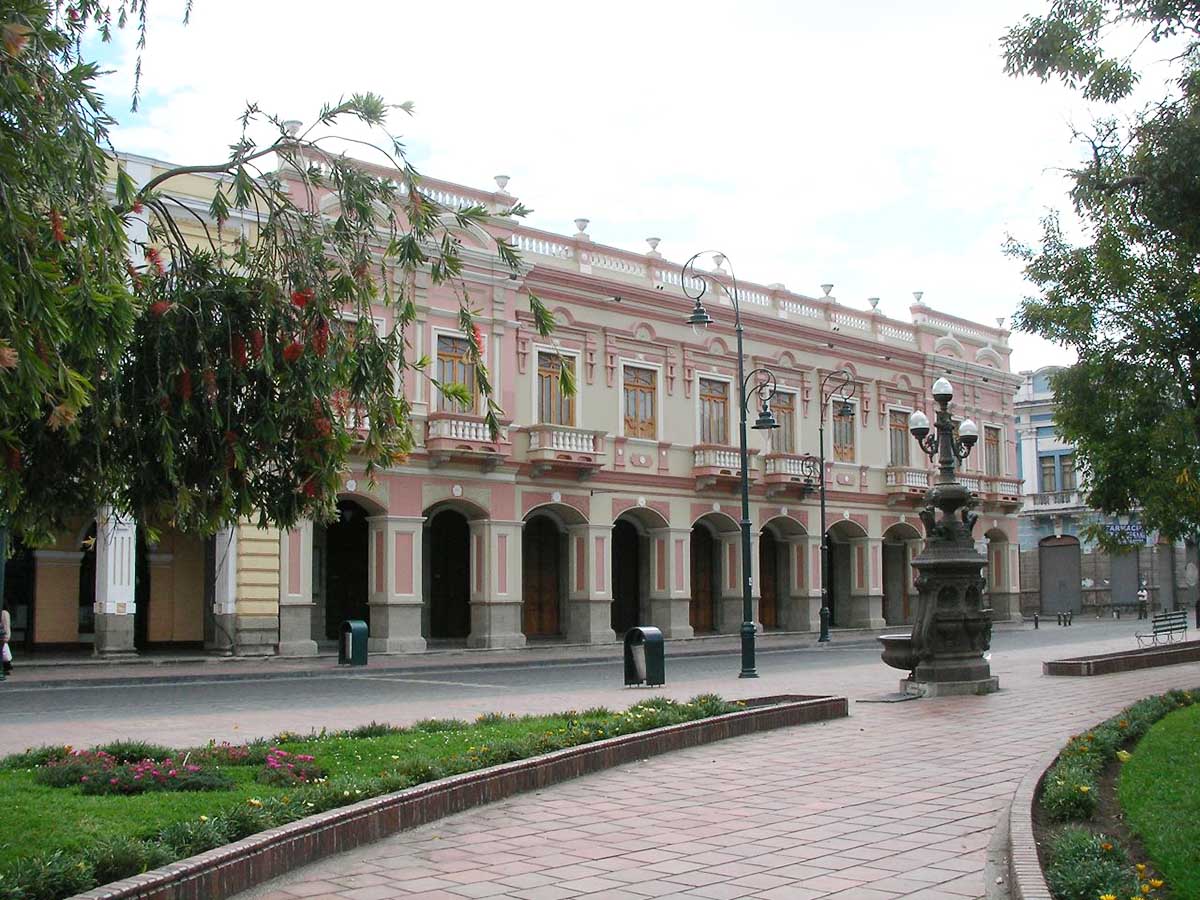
(898, 801)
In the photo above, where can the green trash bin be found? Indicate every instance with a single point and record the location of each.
(644, 656)
(352, 650)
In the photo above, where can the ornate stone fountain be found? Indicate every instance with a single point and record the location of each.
(952, 631)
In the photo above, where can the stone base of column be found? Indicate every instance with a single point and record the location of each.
(222, 637)
(1006, 608)
(395, 628)
(255, 635)
(496, 625)
(800, 613)
(865, 612)
(295, 630)
(590, 622)
(114, 636)
(671, 617)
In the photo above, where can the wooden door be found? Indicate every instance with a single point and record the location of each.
(626, 567)
(700, 611)
(541, 571)
(768, 564)
(450, 576)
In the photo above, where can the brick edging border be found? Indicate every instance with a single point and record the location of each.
(236, 867)
(1125, 660)
(1024, 867)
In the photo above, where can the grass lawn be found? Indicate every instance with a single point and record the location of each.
(57, 840)
(1160, 793)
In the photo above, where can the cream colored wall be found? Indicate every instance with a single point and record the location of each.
(176, 589)
(258, 571)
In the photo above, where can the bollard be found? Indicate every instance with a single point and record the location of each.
(1070, 617)
(1035, 618)
(1058, 618)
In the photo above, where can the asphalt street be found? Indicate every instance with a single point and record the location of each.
(224, 709)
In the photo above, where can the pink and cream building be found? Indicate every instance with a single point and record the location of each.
(590, 514)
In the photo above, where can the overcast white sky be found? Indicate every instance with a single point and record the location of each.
(874, 145)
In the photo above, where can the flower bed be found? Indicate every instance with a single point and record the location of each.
(93, 839)
(1086, 853)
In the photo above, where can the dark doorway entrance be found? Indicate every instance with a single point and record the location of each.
(19, 581)
(626, 576)
(839, 579)
(450, 575)
(768, 564)
(541, 573)
(704, 581)
(346, 549)
(1059, 575)
(895, 591)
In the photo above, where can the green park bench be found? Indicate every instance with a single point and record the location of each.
(1164, 627)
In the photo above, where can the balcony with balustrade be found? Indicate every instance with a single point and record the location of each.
(460, 437)
(905, 485)
(1001, 493)
(791, 473)
(1054, 501)
(561, 449)
(716, 465)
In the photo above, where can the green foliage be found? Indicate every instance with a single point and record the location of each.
(1069, 793)
(1127, 300)
(1160, 795)
(126, 751)
(228, 366)
(113, 837)
(1084, 866)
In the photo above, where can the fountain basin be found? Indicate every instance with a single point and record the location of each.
(898, 651)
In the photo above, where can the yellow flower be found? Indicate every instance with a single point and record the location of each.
(1083, 789)
(254, 803)
(1108, 897)
(1156, 883)
(204, 818)
(1106, 847)
(1145, 888)
(1141, 867)
(1124, 755)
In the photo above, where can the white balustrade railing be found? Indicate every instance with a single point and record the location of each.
(972, 484)
(617, 264)
(1005, 486)
(957, 328)
(755, 298)
(791, 307)
(463, 429)
(897, 333)
(674, 278)
(898, 476)
(849, 320)
(527, 243)
(1056, 498)
(451, 200)
(717, 458)
(791, 465)
(562, 439)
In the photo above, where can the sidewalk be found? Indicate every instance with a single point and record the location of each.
(897, 802)
(182, 668)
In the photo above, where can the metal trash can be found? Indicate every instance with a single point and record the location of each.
(644, 656)
(352, 649)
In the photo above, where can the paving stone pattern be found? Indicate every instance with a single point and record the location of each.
(898, 801)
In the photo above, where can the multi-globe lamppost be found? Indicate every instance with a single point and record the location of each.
(843, 386)
(695, 283)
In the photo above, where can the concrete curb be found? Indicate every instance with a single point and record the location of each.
(1025, 878)
(1125, 660)
(428, 663)
(237, 867)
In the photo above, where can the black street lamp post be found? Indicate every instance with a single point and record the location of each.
(695, 283)
(843, 388)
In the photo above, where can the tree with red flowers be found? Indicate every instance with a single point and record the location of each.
(192, 384)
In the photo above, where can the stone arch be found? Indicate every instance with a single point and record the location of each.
(630, 566)
(720, 522)
(712, 572)
(718, 347)
(645, 332)
(777, 574)
(561, 512)
(562, 315)
(986, 356)
(645, 517)
(371, 505)
(471, 510)
(840, 536)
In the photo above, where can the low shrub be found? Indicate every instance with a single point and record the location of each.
(75, 768)
(284, 769)
(432, 726)
(1085, 866)
(119, 856)
(1069, 793)
(34, 757)
(372, 729)
(134, 751)
(493, 718)
(222, 754)
(148, 775)
(50, 877)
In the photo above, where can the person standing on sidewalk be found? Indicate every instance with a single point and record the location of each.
(5, 633)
